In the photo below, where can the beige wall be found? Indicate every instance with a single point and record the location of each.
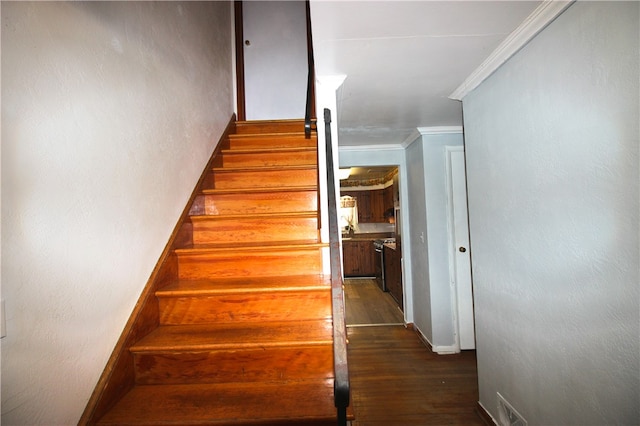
(110, 111)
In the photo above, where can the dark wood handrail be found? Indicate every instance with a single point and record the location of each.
(341, 370)
(310, 110)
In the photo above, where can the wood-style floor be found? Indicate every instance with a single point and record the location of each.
(395, 379)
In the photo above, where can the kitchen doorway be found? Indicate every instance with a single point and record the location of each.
(370, 214)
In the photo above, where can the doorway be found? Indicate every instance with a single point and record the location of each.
(371, 197)
(271, 59)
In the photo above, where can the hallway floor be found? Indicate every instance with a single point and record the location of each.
(395, 379)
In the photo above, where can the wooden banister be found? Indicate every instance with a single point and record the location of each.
(341, 370)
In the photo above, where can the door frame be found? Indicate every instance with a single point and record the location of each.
(239, 51)
(453, 249)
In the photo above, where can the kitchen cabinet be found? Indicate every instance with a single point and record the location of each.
(377, 205)
(388, 197)
(371, 205)
(393, 274)
(358, 258)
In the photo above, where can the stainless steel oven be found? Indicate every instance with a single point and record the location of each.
(379, 263)
(378, 245)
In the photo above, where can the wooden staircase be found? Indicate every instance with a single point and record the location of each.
(235, 326)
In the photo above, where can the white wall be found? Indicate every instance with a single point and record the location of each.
(418, 250)
(552, 141)
(433, 296)
(110, 112)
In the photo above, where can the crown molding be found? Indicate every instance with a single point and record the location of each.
(439, 130)
(542, 16)
(381, 147)
(425, 131)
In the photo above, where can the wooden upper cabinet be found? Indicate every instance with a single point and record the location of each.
(388, 197)
(371, 205)
(377, 205)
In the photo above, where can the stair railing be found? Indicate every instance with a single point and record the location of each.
(341, 370)
(310, 106)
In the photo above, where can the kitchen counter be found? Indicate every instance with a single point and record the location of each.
(366, 237)
(392, 246)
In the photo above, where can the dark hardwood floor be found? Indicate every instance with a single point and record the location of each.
(366, 304)
(395, 379)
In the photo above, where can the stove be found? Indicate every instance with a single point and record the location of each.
(378, 245)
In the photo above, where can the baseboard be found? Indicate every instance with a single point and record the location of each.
(484, 415)
(439, 349)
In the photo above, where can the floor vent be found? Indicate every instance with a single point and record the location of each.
(507, 415)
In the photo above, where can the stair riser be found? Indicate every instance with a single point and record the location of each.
(238, 365)
(256, 203)
(266, 141)
(196, 266)
(264, 178)
(271, 126)
(249, 229)
(247, 307)
(301, 158)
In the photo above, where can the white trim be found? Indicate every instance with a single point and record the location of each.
(426, 131)
(451, 242)
(440, 130)
(542, 16)
(387, 147)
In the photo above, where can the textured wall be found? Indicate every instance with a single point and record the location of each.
(552, 144)
(433, 298)
(418, 249)
(437, 237)
(110, 111)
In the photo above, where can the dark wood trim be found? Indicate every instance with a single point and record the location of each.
(311, 62)
(239, 34)
(484, 415)
(118, 376)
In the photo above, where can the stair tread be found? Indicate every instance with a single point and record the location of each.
(215, 191)
(245, 284)
(294, 402)
(269, 215)
(267, 135)
(263, 150)
(252, 246)
(236, 335)
(264, 168)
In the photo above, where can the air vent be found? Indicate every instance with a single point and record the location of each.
(507, 415)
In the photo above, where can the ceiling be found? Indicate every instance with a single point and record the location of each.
(402, 60)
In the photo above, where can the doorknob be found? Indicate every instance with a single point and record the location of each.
(462, 249)
(247, 43)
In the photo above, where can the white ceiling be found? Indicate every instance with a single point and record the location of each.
(403, 59)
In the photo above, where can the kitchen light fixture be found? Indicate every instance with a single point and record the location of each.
(344, 173)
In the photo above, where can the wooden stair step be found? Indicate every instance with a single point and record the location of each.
(248, 304)
(267, 157)
(255, 201)
(271, 140)
(248, 284)
(196, 337)
(246, 260)
(274, 403)
(262, 177)
(234, 353)
(269, 126)
(217, 229)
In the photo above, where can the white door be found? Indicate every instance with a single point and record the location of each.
(275, 59)
(459, 247)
